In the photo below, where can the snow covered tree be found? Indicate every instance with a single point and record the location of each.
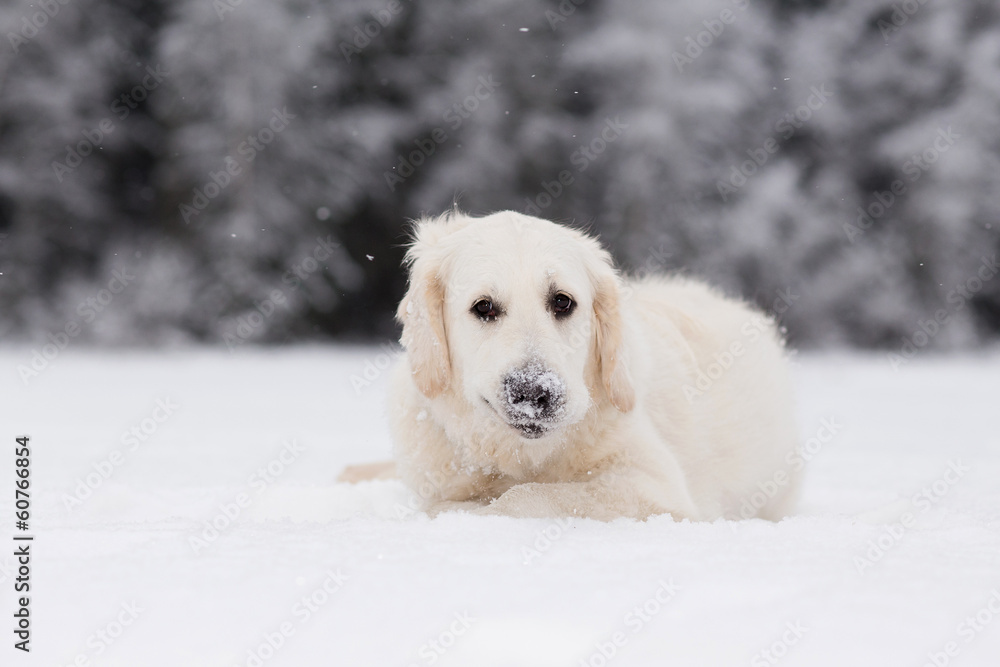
(257, 161)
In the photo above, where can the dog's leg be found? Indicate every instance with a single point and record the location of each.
(368, 471)
(784, 502)
(433, 509)
(638, 489)
(606, 498)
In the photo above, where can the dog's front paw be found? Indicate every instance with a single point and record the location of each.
(366, 472)
(467, 506)
(531, 500)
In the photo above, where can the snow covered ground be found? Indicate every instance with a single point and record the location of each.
(136, 455)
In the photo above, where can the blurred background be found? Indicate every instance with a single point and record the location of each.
(240, 171)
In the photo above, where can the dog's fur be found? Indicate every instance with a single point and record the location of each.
(651, 396)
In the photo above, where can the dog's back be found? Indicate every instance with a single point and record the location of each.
(717, 387)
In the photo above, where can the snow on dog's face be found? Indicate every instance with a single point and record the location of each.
(518, 316)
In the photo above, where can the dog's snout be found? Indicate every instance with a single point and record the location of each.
(533, 393)
(528, 394)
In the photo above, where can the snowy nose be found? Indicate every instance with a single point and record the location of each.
(533, 393)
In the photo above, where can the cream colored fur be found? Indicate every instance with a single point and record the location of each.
(655, 420)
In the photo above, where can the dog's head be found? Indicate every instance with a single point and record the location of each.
(518, 316)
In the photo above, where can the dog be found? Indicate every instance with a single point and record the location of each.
(537, 382)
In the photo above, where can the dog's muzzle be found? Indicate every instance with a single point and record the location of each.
(534, 398)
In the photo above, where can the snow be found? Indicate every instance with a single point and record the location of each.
(493, 590)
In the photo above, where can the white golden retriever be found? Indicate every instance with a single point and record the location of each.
(537, 383)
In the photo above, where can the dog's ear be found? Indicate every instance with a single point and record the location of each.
(610, 339)
(421, 312)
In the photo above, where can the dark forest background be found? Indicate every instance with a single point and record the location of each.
(242, 171)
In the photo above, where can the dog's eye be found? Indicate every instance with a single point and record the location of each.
(485, 310)
(562, 304)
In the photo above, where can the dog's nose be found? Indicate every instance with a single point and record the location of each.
(533, 392)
